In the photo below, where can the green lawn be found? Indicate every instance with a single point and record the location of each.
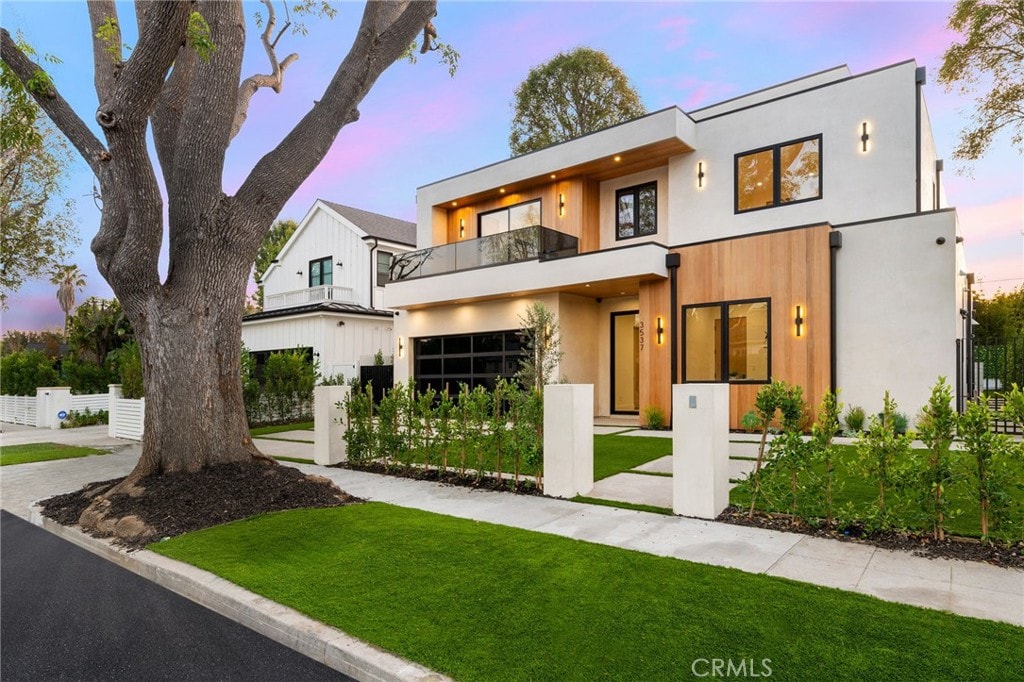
(856, 489)
(43, 452)
(281, 428)
(615, 454)
(478, 601)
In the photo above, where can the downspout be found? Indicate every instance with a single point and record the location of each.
(672, 263)
(835, 242)
(373, 270)
(919, 78)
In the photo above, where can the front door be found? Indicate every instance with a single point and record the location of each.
(625, 369)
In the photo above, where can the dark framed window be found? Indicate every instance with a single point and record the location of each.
(636, 211)
(321, 272)
(526, 214)
(728, 342)
(786, 173)
(473, 359)
(383, 268)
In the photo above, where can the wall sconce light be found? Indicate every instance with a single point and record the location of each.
(661, 330)
(299, 273)
(340, 264)
(462, 227)
(864, 137)
(799, 321)
(700, 174)
(561, 205)
(341, 323)
(401, 347)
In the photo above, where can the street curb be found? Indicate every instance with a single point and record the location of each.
(284, 625)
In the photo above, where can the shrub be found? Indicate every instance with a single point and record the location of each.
(936, 429)
(85, 377)
(788, 401)
(21, 373)
(87, 418)
(822, 433)
(994, 461)
(855, 419)
(126, 362)
(654, 418)
(750, 422)
(881, 453)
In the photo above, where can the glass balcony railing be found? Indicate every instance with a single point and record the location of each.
(527, 243)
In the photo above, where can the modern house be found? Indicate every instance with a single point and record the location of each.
(324, 292)
(799, 232)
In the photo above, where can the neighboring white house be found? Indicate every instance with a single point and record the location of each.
(799, 232)
(324, 291)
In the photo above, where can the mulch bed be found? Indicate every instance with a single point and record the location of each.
(179, 503)
(469, 480)
(967, 549)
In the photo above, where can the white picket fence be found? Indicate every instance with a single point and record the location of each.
(127, 418)
(18, 409)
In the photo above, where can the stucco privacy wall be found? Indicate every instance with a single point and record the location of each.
(897, 310)
(885, 99)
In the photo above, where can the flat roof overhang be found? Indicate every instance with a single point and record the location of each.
(597, 274)
(630, 147)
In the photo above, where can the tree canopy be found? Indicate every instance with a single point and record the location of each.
(1000, 316)
(37, 226)
(572, 94)
(988, 63)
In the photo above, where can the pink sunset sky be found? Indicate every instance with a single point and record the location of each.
(419, 125)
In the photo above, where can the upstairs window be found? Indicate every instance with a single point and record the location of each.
(383, 268)
(321, 272)
(785, 173)
(510, 218)
(636, 211)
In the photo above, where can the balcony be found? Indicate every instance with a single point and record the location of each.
(291, 299)
(525, 244)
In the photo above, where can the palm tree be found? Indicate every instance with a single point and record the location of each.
(67, 278)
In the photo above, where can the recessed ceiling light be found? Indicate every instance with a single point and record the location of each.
(587, 285)
(622, 293)
(617, 159)
(455, 203)
(501, 191)
(553, 176)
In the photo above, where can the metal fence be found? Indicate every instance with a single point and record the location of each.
(380, 377)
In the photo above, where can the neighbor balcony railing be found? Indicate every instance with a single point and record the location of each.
(527, 243)
(290, 299)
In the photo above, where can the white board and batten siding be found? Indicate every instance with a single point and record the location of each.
(322, 235)
(18, 409)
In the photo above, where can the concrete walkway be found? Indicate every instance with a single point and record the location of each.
(967, 588)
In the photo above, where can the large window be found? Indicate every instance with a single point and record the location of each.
(510, 218)
(727, 342)
(472, 359)
(383, 268)
(321, 272)
(636, 211)
(785, 173)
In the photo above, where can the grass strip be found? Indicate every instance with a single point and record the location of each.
(280, 428)
(478, 601)
(297, 460)
(286, 440)
(623, 505)
(43, 452)
(616, 454)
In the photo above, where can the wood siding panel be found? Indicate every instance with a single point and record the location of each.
(655, 359)
(790, 268)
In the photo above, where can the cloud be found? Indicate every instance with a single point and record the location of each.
(695, 92)
(1000, 221)
(678, 29)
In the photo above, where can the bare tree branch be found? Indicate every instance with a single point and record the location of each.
(106, 52)
(386, 31)
(59, 111)
(272, 80)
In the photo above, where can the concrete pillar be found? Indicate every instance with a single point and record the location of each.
(700, 449)
(114, 392)
(568, 439)
(53, 403)
(329, 424)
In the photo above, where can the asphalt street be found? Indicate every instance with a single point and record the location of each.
(67, 614)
